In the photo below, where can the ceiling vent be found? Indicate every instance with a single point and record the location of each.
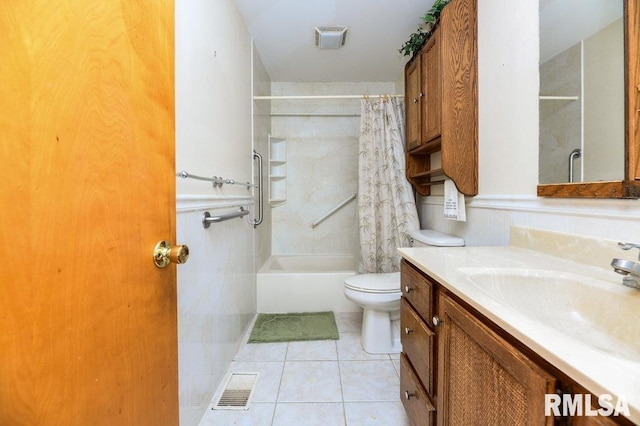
(330, 37)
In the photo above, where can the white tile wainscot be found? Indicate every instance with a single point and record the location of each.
(216, 296)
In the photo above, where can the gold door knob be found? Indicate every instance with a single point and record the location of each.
(164, 253)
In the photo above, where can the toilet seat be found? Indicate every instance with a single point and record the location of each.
(374, 283)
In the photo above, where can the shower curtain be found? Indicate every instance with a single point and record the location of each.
(386, 206)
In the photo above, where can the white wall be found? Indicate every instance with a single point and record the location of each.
(508, 96)
(216, 287)
(604, 104)
(213, 95)
(508, 145)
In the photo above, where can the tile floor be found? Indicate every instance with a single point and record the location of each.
(329, 382)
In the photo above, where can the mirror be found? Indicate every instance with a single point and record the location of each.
(581, 91)
(588, 98)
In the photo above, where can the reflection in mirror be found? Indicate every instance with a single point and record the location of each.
(582, 126)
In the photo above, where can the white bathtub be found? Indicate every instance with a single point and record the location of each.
(305, 283)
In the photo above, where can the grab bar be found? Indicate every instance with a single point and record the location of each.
(207, 219)
(574, 154)
(335, 209)
(260, 187)
(217, 181)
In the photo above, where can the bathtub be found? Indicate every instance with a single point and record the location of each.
(305, 283)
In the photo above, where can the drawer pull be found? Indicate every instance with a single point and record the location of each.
(407, 330)
(436, 321)
(408, 289)
(409, 395)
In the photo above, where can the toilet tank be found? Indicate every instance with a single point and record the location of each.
(427, 237)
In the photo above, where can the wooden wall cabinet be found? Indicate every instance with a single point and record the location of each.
(459, 368)
(442, 103)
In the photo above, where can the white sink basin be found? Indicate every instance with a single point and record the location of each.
(598, 313)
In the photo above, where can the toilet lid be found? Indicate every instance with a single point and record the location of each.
(429, 237)
(374, 283)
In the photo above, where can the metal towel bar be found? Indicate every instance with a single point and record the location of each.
(574, 154)
(335, 209)
(207, 219)
(257, 221)
(216, 180)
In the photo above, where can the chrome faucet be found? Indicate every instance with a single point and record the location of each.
(630, 270)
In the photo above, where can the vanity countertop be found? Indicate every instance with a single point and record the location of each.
(601, 371)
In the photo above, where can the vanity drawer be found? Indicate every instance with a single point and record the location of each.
(417, 289)
(417, 404)
(418, 344)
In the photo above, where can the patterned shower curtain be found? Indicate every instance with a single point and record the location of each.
(386, 207)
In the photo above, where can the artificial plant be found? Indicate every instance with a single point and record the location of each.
(417, 39)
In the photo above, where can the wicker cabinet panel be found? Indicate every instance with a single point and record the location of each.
(599, 421)
(417, 290)
(417, 404)
(593, 420)
(418, 344)
(483, 379)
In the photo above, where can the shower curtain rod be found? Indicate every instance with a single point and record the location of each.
(310, 114)
(269, 98)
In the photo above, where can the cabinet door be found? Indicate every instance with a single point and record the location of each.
(482, 379)
(598, 421)
(412, 101)
(431, 83)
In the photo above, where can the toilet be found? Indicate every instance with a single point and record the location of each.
(379, 296)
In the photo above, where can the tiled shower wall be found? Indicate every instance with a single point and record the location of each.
(596, 65)
(322, 166)
(261, 130)
(560, 121)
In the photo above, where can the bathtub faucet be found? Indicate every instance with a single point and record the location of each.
(630, 270)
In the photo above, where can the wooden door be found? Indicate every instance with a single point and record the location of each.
(482, 379)
(87, 321)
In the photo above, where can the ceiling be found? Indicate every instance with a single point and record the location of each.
(283, 32)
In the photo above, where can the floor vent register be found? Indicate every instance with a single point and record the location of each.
(236, 394)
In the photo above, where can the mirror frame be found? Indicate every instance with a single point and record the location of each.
(630, 186)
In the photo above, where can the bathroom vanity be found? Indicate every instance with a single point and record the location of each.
(487, 332)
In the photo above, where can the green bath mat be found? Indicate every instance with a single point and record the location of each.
(294, 327)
